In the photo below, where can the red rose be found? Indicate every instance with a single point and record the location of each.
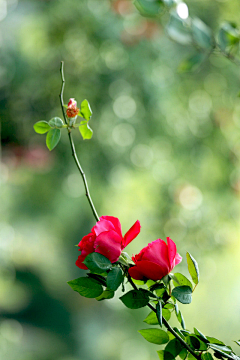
(155, 260)
(106, 239)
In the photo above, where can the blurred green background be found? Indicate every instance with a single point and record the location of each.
(165, 151)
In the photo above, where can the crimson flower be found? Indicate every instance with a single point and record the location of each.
(106, 238)
(155, 260)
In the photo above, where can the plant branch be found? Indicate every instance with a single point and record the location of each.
(166, 324)
(73, 147)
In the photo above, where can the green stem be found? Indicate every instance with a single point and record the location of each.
(73, 147)
(166, 324)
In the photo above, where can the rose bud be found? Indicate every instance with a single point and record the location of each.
(155, 260)
(72, 110)
(106, 239)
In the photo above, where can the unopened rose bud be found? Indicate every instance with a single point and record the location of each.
(72, 110)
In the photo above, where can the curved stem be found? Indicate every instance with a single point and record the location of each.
(166, 324)
(73, 148)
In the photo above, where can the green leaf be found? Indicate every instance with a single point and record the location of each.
(179, 29)
(169, 306)
(192, 63)
(165, 355)
(152, 319)
(193, 268)
(107, 294)
(41, 127)
(56, 122)
(100, 279)
(85, 110)
(135, 299)
(200, 335)
(183, 354)
(213, 340)
(183, 294)
(53, 137)
(170, 3)
(159, 312)
(180, 279)
(149, 8)
(237, 342)
(202, 34)
(196, 343)
(193, 342)
(114, 278)
(85, 130)
(228, 35)
(174, 347)
(155, 336)
(97, 263)
(206, 356)
(86, 287)
(181, 319)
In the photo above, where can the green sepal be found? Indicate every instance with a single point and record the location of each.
(107, 294)
(97, 263)
(155, 336)
(85, 110)
(41, 127)
(193, 268)
(181, 319)
(86, 287)
(165, 355)
(183, 294)
(85, 130)
(159, 312)
(114, 278)
(53, 137)
(135, 299)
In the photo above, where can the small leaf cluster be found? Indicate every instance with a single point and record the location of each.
(193, 32)
(102, 281)
(104, 278)
(204, 347)
(54, 126)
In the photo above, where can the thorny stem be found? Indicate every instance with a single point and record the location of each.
(166, 324)
(73, 147)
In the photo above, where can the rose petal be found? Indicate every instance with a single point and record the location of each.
(102, 226)
(178, 259)
(157, 252)
(79, 262)
(108, 244)
(115, 221)
(131, 234)
(172, 251)
(148, 270)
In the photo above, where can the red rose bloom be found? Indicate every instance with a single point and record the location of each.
(155, 260)
(106, 239)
